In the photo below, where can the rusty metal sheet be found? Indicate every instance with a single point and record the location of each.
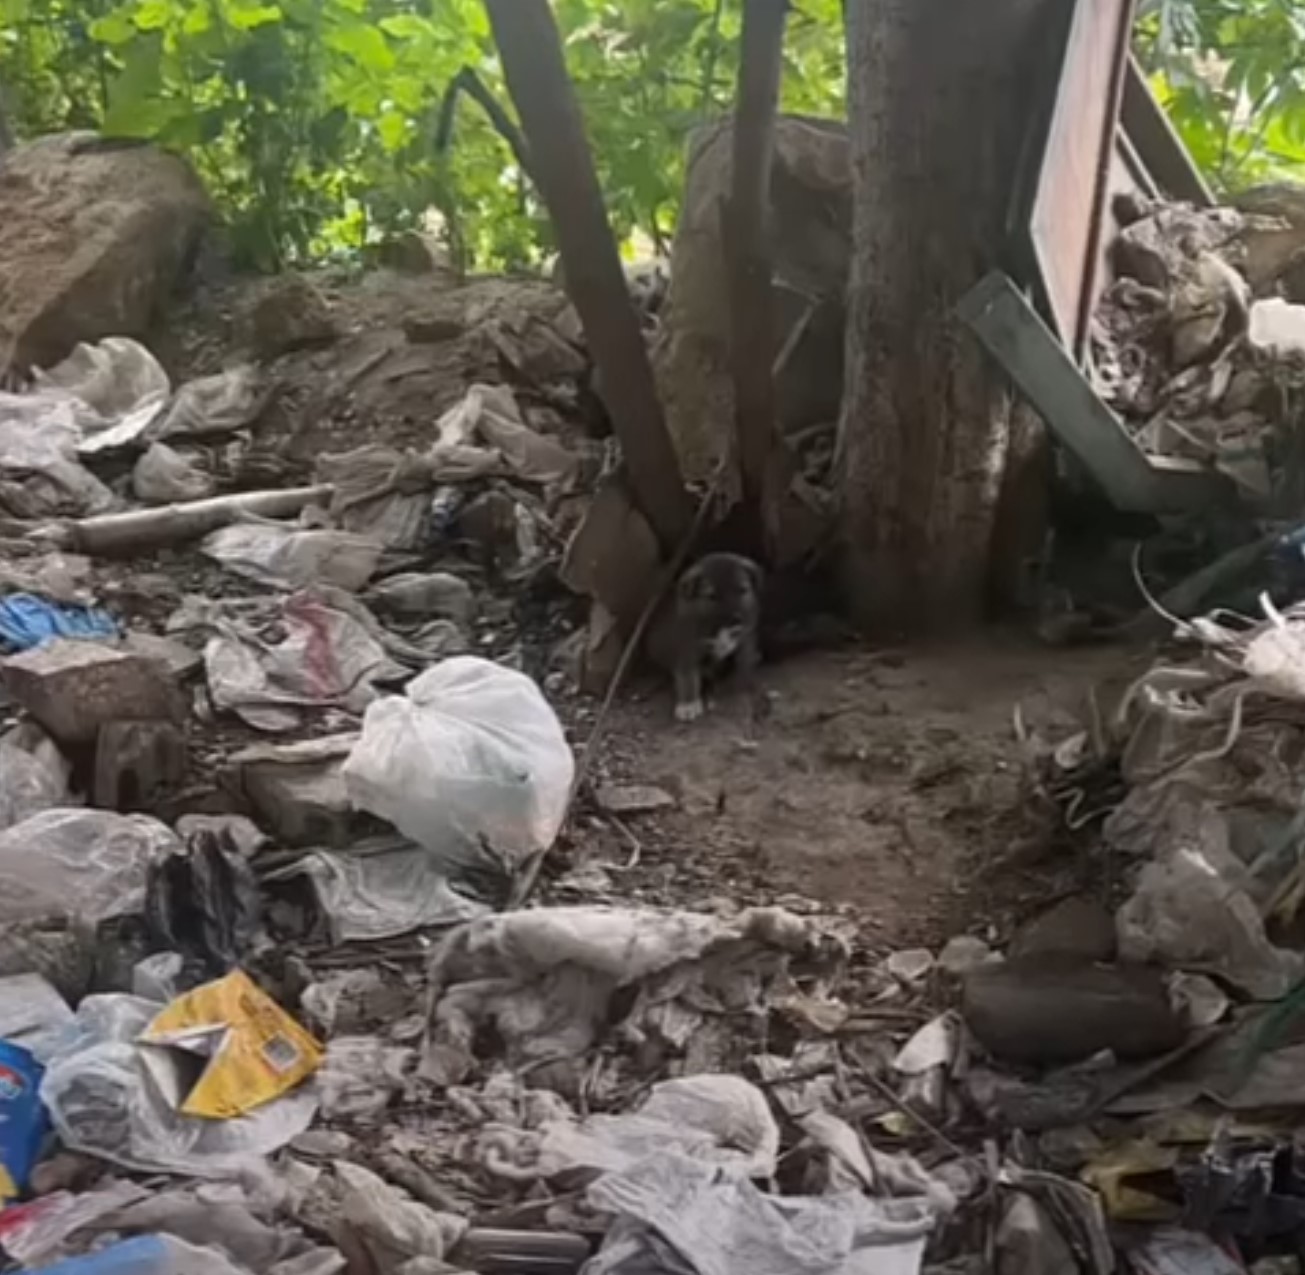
(1076, 170)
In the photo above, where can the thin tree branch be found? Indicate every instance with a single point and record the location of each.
(468, 82)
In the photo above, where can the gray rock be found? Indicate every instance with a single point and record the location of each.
(1044, 1010)
(290, 314)
(73, 688)
(632, 799)
(1076, 927)
(137, 763)
(93, 236)
(297, 790)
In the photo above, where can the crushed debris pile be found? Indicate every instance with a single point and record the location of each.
(1196, 350)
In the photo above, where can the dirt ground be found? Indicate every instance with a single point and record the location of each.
(890, 784)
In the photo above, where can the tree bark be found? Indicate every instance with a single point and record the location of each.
(533, 64)
(938, 105)
(748, 259)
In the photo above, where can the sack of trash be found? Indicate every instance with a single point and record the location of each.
(471, 763)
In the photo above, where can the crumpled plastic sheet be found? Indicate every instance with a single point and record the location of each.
(714, 1119)
(361, 1075)
(380, 493)
(33, 775)
(211, 1215)
(219, 404)
(1192, 908)
(484, 434)
(34, 1233)
(113, 377)
(324, 658)
(103, 1102)
(675, 1214)
(116, 389)
(287, 556)
(381, 890)
(87, 864)
(40, 475)
(27, 621)
(33, 1015)
(390, 1226)
(544, 979)
(163, 476)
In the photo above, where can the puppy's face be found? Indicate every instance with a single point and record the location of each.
(722, 585)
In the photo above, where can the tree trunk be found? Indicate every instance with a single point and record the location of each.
(530, 49)
(939, 103)
(748, 263)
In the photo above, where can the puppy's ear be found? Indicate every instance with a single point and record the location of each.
(756, 575)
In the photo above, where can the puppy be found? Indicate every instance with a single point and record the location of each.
(713, 616)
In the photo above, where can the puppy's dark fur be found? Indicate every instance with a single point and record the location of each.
(712, 617)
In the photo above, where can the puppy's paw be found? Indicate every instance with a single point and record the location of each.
(689, 710)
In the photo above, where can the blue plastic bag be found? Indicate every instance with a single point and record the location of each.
(27, 621)
(147, 1255)
(23, 1121)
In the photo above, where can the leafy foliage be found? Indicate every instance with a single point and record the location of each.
(1232, 75)
(313, 121)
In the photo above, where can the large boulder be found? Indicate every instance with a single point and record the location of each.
(809, 226)
(93, 235)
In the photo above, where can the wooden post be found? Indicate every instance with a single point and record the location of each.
(531, 51)
(752, 334)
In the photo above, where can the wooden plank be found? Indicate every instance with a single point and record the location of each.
(1071, 189)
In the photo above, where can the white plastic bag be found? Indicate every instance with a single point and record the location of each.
(218, 404)
(86, 864)
(162, 477)
(471, 759)
(114, 377)
(40, 476)
(287, 556)
(33, 1015)
(33, 775)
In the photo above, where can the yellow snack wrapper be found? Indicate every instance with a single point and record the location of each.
(227, 1047)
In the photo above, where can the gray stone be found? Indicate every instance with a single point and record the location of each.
(93, 237)
(297, 790)
(1076, 927)
(632, 799)
(1046, 1010)
(73, 688)
(137, 763)
(180, 660)
(290, 314)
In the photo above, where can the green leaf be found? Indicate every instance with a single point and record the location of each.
(393, 130)
(406, 26)
(152, 15)
(365, 44)
(248, 17)
(114, 28)
(198, 20)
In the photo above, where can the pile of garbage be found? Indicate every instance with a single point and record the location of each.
(1196, 349)
(262, 812)
(271, 996)
(1190, 788)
